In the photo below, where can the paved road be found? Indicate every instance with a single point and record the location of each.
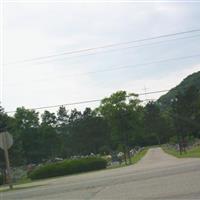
(157, 176)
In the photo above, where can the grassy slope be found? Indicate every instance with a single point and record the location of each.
(134, 159)
(26, 181)
(192, 153)
(139, 156)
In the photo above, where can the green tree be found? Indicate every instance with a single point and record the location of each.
(3, 127)
(122, 112)
(26, 135)
(63, 132)
(3, 120)
(49, 136)
(62, 117)
(185, 109)
(155, 123)
(93, 132)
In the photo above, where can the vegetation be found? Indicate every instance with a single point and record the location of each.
(191, 80)
(68, 167)
(139, 156)
(134, 159)
(1, 179)
(122, 112)
(191, 153)
(18, 187)
(119, 124)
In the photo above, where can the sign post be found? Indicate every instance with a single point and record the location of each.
(6, 141)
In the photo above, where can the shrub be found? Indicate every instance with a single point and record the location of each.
(68, 167)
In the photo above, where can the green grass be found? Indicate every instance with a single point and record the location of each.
(134, 159)
(18, 188)
(139, 156)
(23, 181)
(116, 166)
(26, 180)
(192, 153)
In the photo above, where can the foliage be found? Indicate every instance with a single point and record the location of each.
(192, 153)
(185, 111)
(134, 159)
(191, 80)
(122, 111)
(156, 124)
(1, 179)
(138, 156)
(120, 123)
(68, 167)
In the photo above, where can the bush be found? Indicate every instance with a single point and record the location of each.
(68, 167)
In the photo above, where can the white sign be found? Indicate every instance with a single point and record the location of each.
(6, 140)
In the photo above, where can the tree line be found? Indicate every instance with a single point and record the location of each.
(120, 123)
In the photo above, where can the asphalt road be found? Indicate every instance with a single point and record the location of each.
(157, 176)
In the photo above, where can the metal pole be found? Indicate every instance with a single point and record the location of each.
(8, 171)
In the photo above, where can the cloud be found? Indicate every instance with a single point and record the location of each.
(161, 83)
(36, 29)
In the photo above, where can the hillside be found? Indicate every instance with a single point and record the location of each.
(191, 80)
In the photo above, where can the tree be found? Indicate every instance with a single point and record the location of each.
(3, 120)
(26, 136)
(75, 115)
(87, 132)
(156, 128)
(3, 127)
(121, 110)
(49, 135)
(185, 109)
(62, 129)
(62, 117)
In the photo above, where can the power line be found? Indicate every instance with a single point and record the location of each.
(87, 101)
(136, 65)
(125, 67)
(137, 46)
(113, 50)
(102, 47)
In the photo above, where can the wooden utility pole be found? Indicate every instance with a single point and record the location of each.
(6, 142)
(8, 170)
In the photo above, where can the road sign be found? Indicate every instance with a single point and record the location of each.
(6, 140)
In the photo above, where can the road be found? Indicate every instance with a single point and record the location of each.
(157, 176)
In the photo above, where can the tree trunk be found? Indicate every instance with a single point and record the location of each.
(125, 155)
(129, 155)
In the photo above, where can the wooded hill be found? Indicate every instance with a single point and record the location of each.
(191, 80)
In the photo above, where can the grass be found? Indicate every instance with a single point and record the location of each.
(23, 181)
(18, 188)
(192, 153)
(26, 180)
(139, 156)
(117, 166)
(134, 159)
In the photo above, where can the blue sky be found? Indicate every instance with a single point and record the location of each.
(39, 29)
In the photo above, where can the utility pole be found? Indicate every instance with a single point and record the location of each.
(6, 141)
(145, 92)
(8, 170)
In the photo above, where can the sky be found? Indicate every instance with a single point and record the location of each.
(32, 30)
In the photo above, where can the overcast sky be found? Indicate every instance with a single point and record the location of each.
(32, 30)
